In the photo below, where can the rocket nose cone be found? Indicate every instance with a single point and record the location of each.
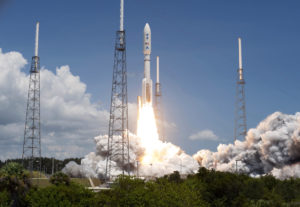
(147, 28)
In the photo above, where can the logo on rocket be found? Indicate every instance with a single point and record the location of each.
(147, 82)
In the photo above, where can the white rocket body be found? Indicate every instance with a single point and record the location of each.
(147, 82)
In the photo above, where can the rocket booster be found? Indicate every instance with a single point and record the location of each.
(147, 82)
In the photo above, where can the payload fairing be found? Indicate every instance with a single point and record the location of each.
(147, 82)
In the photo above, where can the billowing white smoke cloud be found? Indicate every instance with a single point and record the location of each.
(273, 147)
(172, 158)
(287, 171)
(69, 118)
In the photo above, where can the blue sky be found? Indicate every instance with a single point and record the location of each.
(197, 44)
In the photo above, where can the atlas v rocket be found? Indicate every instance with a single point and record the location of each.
(147, 82)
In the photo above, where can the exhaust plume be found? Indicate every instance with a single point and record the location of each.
(273, 147)
(171, 158)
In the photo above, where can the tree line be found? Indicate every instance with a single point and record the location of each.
(48, 165)
(206, 188)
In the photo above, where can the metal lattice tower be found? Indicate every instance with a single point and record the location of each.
(240, 126)
(158, 103)
(118, 140)
(32, 134)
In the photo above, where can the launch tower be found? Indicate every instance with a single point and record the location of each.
(240, 125)
(32, 134)
(118, 140)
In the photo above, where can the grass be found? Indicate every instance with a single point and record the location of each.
(85, 181)
(37, 174)
(41, 182)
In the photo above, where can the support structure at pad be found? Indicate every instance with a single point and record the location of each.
(118, 137)
(240, 125)
(32, 134)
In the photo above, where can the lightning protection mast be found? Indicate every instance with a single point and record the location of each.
(32, 134)
(118, 140)
(240, 125)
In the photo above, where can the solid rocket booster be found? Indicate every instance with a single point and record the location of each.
(157, 85)
(147, 82)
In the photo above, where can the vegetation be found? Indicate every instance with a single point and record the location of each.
(60, 178)
(206, 188)
(47, 163)
(61, 195)
(14, 184)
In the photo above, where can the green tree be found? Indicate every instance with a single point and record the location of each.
(60, 178)
(15, 181)
(175, 177)
(254, 188)
(128, 191)
(61, 196)
(5, 200)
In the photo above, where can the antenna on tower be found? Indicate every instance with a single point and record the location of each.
(240, 125)
(31, 155)
(118, 139)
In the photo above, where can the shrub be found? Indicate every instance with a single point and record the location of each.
(60, 178)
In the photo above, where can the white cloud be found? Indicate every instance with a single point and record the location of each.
(69, 119)
(204, 135)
